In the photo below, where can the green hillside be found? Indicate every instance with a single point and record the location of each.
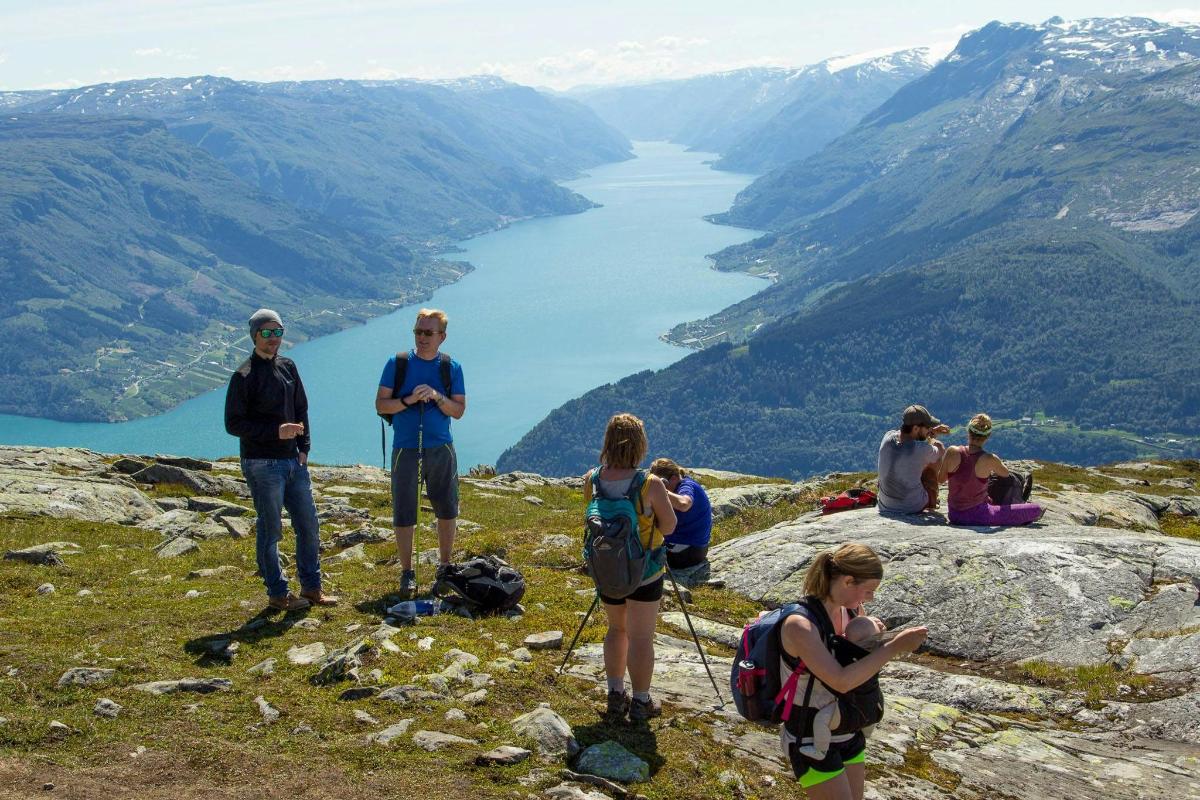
(128, 253)
(1009, 328)
(425, 163)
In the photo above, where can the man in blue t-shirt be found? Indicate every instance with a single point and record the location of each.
(687, 546)
(422, 407)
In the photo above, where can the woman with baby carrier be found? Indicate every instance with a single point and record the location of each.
(633, 612)
(968, 469)
(822, 641)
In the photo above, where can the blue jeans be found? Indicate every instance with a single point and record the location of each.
(275, 484)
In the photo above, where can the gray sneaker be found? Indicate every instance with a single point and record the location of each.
(642, 710)
(618, 705)
(408, 584)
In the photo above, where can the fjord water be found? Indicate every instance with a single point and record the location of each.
(555, 307)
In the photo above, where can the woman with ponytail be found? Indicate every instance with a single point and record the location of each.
(837, 584)
(967, 469)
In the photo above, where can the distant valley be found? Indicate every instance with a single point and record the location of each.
(143, 221)
(1013, 231)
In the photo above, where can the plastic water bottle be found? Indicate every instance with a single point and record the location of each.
(422, 607)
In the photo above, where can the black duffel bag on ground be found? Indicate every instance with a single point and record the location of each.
(482, 585)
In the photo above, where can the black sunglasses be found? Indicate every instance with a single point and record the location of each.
(425, 331)
(267, 333)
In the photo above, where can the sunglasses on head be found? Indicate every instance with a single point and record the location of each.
(425, 331)
(267, 333)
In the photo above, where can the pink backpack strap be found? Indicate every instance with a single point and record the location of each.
(787, 693)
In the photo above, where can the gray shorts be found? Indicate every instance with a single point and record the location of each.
(441, 484)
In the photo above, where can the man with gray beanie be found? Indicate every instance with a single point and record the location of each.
(266, 408)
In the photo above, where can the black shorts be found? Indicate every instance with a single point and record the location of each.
(684, 556)
(643, 594)
(441, 484)
(811, 771)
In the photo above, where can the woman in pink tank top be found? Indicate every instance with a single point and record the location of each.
(967, 469)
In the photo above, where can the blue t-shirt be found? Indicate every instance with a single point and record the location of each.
(694, 526)
(406, 423)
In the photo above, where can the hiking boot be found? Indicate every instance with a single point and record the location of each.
(1027, 489)
(288, 602)
(319, 598)
(618, 705)
(443, 572)
(408, 584)
(642, 710)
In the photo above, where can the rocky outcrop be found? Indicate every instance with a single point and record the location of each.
(1060, 592)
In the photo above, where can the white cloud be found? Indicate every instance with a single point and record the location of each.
(148, 51)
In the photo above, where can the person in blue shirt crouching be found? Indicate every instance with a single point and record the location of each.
(687, 546)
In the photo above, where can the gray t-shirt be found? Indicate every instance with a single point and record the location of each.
(900, 467)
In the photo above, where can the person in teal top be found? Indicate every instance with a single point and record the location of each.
(422, 408)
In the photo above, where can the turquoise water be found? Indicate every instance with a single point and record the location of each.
(555, 307)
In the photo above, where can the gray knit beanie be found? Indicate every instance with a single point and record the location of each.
(260, 319)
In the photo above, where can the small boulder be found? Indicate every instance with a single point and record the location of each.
(85, 676)
(363, 718)
(270, 713)
(46, 588)
(436, 740)
(106, 708)
(306, 654)
(611, 760)
(551, 734)
(390, 733)
(358, 693)
(265, 668)
(547, 640)
(198, 685)
(504, 755)
(174, 548)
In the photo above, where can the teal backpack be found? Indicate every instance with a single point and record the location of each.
(612, 545)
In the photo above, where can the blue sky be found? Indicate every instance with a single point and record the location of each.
(63, 43)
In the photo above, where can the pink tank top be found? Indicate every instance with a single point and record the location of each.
(966, 489)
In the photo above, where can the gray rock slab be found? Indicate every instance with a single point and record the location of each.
(727, 502)
(265, 668)
(341, 664)
(727, 635)
(504, 755)
(91, 498)
(573, 791)
(197, 481)
(355, 553)
(547, 640)
(1054, 592)
(364, 535)
(306, 654)
(197, 685)
(409, 694)
(85, 676)
(238, 527)
(48, 554)
(551, 734)
(436, 740)
(174, 548)
(216, 507)
(390, 733)
(172, 524)
(106, 708)
(610, 760)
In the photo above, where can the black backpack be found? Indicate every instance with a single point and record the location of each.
(398, 386)
(859, 707)
(482, 585)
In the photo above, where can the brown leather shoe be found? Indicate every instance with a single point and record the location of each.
(288, 602)
(319, 598)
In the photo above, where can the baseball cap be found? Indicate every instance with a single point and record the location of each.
(919, 415)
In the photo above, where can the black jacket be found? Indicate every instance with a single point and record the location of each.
(263, 395)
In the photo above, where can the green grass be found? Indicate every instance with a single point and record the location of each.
(1094, 682)
(1182, 527)
(139, 622)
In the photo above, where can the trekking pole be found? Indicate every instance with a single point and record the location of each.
(695, 638)
(582, 625)
(416, 555)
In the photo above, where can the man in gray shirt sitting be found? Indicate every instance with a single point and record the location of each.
(908, 463)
